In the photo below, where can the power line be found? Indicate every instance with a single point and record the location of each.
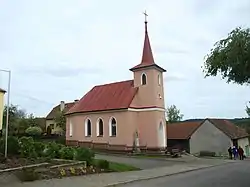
(34, 98)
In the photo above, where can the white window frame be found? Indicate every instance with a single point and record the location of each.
(70, 129)
(110, 127)
(86, 127)
(146, 79)
(159, 79)
(97, 127)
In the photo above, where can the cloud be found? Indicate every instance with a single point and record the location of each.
(93, 42)
(174, 77)
(62, 71)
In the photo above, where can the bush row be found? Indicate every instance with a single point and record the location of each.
(28, 148)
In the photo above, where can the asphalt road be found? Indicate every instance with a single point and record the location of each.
(142, 163)
(230, 175)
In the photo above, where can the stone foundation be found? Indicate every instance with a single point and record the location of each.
(113, 147)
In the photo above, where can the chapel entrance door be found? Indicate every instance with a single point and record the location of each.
(161, 135)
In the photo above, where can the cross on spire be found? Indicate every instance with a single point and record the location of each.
(145, 14)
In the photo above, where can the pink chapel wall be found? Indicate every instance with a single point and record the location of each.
(148, 126)
(125, 127)
(151, 94)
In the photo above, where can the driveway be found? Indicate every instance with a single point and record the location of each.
(142, 163)
(230, 175)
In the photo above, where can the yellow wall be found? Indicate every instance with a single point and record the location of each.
(56, 129)
(1, 109)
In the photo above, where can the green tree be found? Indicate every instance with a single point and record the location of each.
(32, 120)
(173, 114)
(231, 57)
(19, 121)
(16, 116)
(60, 120)
(34, 131)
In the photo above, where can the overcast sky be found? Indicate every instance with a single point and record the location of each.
(59, 49)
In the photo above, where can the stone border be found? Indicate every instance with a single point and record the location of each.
(63, 160)
(164, 175)
(69, 164)
(24, 167)
(160, 158)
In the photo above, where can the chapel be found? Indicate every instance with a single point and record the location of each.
(123, 115)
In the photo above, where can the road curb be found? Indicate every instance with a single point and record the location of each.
(165, 175)
(147, 158)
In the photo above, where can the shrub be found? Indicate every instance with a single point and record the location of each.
(84, 154)
(39, 148)
(52, 150)
(27, 148)
(27, 175)
(207, 153)
(61, 140)
(13, 145)
(103, 164)
(33, 131)
(2, 145)
(67, 153)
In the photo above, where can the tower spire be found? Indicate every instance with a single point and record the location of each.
(147, 55)
(146, 22)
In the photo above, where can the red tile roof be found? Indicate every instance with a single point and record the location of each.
(56, 109)
(184, 130)
(118, 95)
(230, 129)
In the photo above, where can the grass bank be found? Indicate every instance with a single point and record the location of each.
(119, 167)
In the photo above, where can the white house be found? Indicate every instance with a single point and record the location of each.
(215, 135)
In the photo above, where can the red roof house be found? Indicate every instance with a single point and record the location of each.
(50, 124)
(215, 135)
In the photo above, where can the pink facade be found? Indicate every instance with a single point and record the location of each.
(145, 115)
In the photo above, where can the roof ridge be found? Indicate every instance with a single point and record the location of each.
(106, 84)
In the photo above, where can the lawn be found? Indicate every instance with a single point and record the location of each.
(119, 167)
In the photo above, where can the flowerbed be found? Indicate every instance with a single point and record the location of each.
(70, 171)
(30, 160)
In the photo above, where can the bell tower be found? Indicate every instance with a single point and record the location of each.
(148, 77)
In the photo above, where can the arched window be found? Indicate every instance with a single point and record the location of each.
(112, 127)
(161, 126)
(159, 79)
(88, 127)
(143, 79)
(99, 127)
(70, 129)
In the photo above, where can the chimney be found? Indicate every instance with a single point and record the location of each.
(62, 106)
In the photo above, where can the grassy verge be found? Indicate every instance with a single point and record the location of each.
(148, 156)
(119, 167)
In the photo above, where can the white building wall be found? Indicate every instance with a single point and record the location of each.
(209, 138)
(243, 143)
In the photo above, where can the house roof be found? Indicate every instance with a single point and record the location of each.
(1, 90)
(118, 95)
(184, 130)
(147, 55)
(230, 129)
(56, 109)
